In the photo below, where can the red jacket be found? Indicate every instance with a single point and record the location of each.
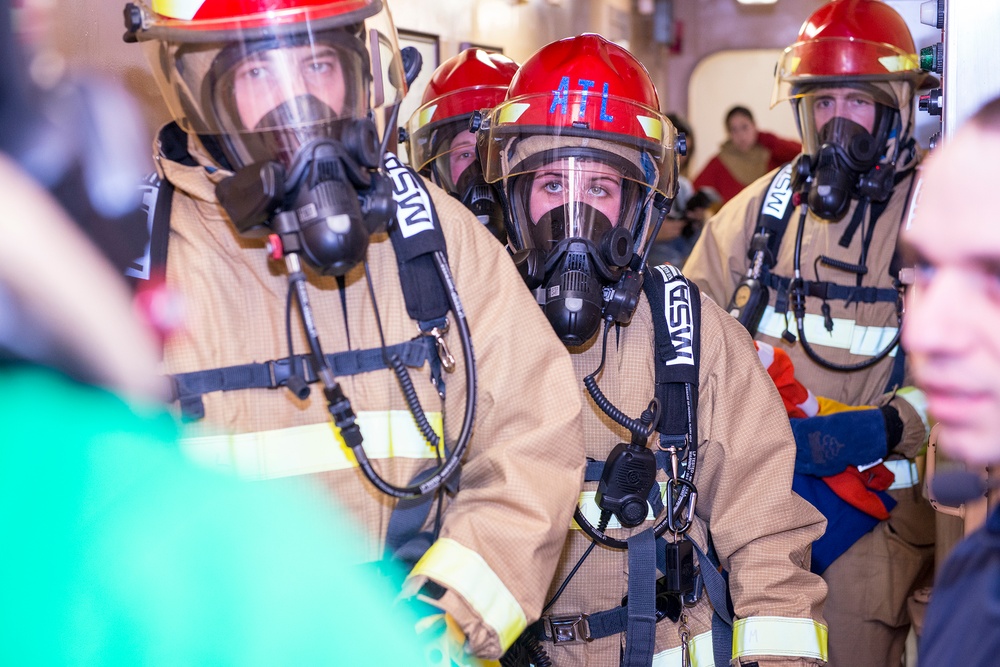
(716, 175)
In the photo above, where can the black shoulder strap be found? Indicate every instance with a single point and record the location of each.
(675, 305)
(154, 212)
(157, 197)
(416, 236)
(775, 211)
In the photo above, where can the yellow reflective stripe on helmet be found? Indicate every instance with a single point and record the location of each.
(509, 113)
(776, 635)
(301, 450)
(699, 651)
(651, 126)
(425, 114)
(918, 401)
(901, 62)
(464, 571)
(177, 9)
(846, 334)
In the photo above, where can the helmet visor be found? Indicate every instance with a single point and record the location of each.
(821, 112)
(265, 90)
(841, 59)
(575, 194)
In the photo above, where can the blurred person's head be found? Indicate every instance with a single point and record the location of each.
(952, 326)
(70, 165)
(851, 77)
(440, 142)
(741, 128)
(585, 163)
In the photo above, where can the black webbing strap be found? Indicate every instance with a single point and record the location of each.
(833, 292)
(718, 595)
(190, 387)
(675, 306)
(775, 211)
(416, 235)
(640, 626)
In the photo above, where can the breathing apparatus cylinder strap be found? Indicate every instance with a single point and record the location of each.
(776, 210)
(640, 630)
(190, 387)
(675, 306)
(829, 291)
(416, 235)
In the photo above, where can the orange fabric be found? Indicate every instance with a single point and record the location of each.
(857, 488)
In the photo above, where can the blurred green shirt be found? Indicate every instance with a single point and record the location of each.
(118, 552)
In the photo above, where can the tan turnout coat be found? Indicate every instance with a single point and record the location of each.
(761, 530)
(523, 467)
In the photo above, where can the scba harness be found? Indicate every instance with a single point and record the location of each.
(664, 577)
(750, 299)
(428, 292)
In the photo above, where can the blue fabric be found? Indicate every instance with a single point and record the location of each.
(964, 613)
(828, 444)
(845, 524)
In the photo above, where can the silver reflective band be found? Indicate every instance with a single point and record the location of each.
(699, 649)
(592, 512)
(302, 450)
(846, 334)
(777, 635)
(905, 472)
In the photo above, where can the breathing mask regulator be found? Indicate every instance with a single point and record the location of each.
(333, 195)
(846, 166)
(482, 199)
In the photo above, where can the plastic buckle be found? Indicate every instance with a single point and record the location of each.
(279, 370)
(567, 629)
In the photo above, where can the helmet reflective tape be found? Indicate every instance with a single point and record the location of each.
(263, 11)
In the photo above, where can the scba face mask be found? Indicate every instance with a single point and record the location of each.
(847, 153)
(844, 159)
(331, 198)
(482, 199)
(297, 110)
(573, 219)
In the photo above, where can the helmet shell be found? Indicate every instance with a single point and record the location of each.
(578, 103)
(849, 41)
(473, 80)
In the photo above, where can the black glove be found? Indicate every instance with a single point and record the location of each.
(893, 427)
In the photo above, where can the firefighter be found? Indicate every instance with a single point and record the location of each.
(277, 109)
(440, 145)
(587, 166)
(806, 259)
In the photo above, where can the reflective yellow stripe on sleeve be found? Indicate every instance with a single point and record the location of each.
(464, 571)
(699, 651)
(302, 450)
(776, 635)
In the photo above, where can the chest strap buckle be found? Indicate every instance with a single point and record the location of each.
(567, 629)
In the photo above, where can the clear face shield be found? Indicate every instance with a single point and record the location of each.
(265, 86)
(847, 133)
(583, 195)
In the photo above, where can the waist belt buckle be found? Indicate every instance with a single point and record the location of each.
(279, 371)
(567, 629)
